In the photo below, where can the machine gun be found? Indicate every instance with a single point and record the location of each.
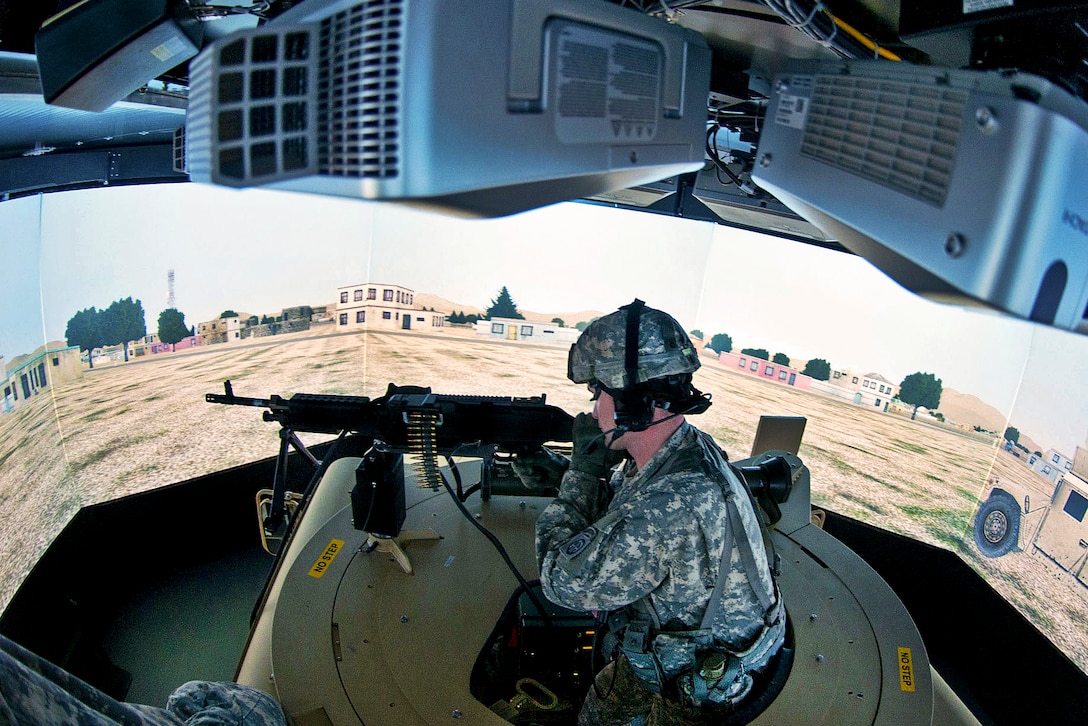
(407, 419)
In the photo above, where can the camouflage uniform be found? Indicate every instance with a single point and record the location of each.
(34, 691)
(651, 545)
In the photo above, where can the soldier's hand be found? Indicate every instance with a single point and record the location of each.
(591, 455)
(540, 469)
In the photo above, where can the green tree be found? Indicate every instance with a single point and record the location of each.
(781, 359)
(920, 389)
(583, 324)
(172, 326)
(1012, 434)
(756, 353)
(696, 333)
(471, 318)
(721, 343)
(818, 369)
(84, 330)
(252, 320)
(228, 314)
(559, 322)
(503, 307)
(123, 321)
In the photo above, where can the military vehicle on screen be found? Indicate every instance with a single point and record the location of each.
(1058, 530)
(941, 141)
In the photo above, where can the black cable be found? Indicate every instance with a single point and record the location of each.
(500, 549)
(715, 157)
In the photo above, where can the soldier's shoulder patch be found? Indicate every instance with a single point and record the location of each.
(577, 544)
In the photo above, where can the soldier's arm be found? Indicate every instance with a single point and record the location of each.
(605, 563)
(582, 499)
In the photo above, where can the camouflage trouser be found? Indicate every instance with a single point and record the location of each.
(623, 698)
(34, 691)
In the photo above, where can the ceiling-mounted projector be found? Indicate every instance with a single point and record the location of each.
(963, 186)
(487, 107)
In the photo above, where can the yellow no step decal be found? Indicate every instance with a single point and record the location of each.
(329, 555)
(906, 670)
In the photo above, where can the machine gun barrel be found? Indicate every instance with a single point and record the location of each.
(512, 424)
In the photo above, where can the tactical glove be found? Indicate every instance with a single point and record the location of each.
(591, 456)
(540, 469)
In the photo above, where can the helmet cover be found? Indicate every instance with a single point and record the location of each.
(599, 354)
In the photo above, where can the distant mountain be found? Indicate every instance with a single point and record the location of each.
(441, 304)
(966, 408)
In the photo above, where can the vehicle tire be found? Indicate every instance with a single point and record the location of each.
(997, 525)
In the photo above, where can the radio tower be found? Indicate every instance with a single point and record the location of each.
(169, 288)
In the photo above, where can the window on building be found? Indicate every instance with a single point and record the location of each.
(343, 318)
(7, 391)
(1076, 505)
(387, 295)
(781, 375)
(838, 375)
(526, 331)
(360, 316)
(877, 402)
(855, 380)
(768, 371)
(1047, 469)
(865, 384)
(497, 328)
(372, 293)
(1055, 458)
(400, 296)
(344, 296)
(755, 365)
(56, 362)
(421, 320)
(386, 315)
(743, 362)
(358, 295)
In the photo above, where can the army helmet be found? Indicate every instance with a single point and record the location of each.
(600, 353)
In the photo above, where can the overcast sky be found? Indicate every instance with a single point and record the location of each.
(260, 251)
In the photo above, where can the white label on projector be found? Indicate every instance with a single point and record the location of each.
(792, 111)
(977, 6)
(607, 86)
(168, 50)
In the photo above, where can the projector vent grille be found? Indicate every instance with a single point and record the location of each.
(901, 135)
(263, 107)
(359, 90)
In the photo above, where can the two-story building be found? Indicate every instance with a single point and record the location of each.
(865, 389)
(381, 306)
(221, 330)
(30, 375)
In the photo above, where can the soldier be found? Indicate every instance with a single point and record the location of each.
(644, 543)
(34, 691)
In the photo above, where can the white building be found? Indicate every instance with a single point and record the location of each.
(527, 330)
(380, 306)
(220, 330)
(1053, 465)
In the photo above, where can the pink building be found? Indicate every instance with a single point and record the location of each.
(766, 370)
(190, 342)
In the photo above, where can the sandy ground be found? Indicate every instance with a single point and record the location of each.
(131, 427)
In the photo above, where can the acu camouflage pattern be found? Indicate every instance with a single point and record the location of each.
(664, 349)
(654, 547)
(619, 697)
(34, 691)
